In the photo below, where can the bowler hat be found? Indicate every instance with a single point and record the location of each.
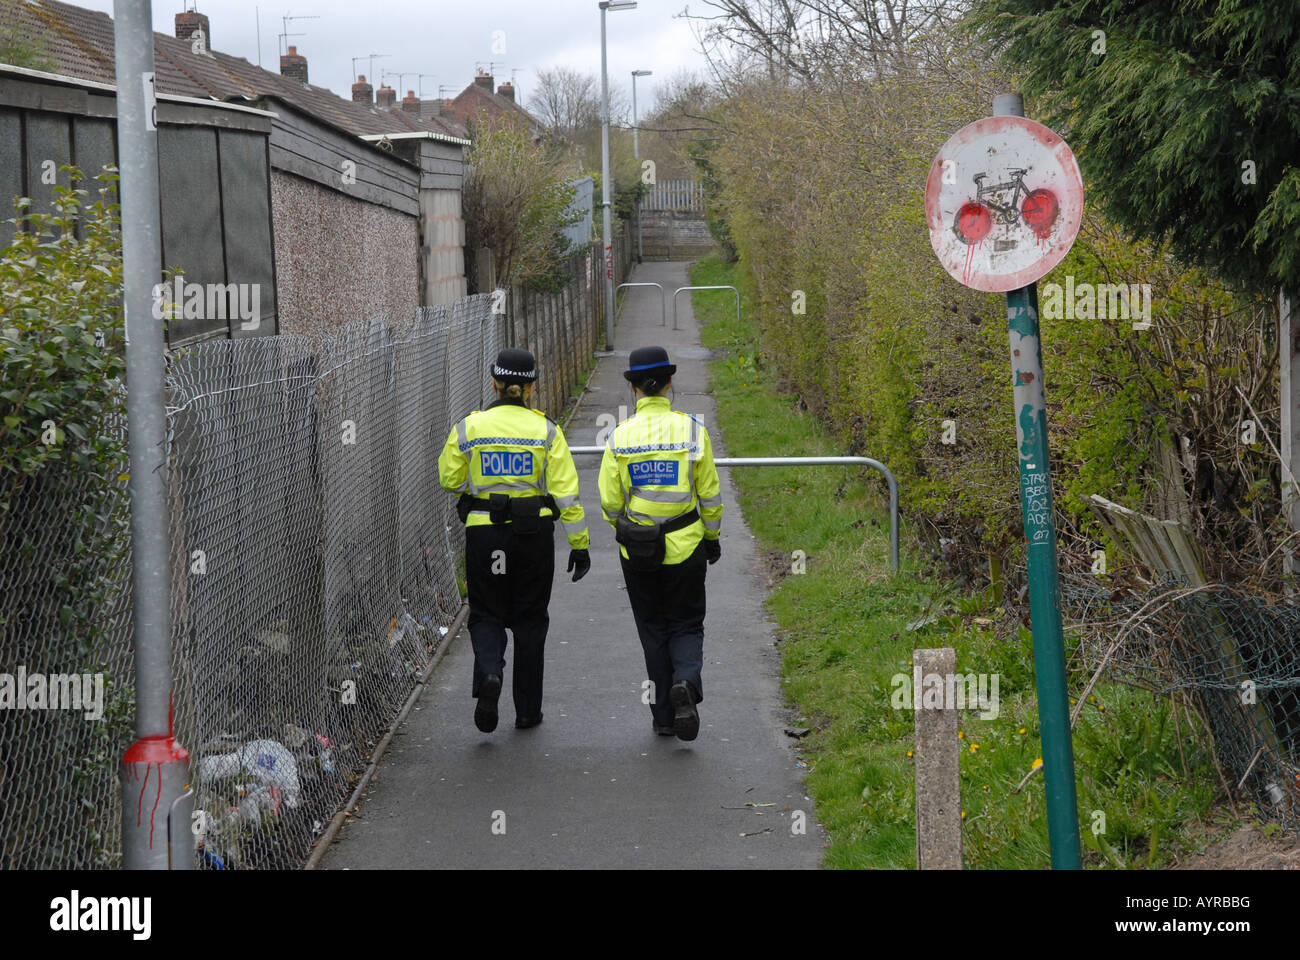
(649, 362)
(514, 365)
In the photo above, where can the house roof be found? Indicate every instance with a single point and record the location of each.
(79, 43)
(466, 105)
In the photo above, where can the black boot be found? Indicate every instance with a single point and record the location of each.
(485, 713)
(686, 719)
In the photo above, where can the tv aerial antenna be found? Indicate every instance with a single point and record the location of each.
(284, 37)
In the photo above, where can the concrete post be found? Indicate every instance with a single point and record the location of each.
(936, 762)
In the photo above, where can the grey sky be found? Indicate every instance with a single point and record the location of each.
(447, 38)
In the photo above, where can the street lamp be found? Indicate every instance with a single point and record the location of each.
(604, 169)
(636, 155)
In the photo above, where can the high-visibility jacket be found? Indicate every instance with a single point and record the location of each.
(658, 464)
(512, 449)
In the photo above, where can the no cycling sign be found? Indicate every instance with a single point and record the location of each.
(1003, 203)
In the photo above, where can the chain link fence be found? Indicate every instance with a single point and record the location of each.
(315, 566)
(66, 672)
(1233, 656)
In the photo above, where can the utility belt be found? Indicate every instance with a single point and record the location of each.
(645, 543)
(522, 513)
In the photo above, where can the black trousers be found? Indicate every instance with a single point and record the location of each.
(668, 606)
(510, 579)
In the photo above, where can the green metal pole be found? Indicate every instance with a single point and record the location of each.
(1040, 534)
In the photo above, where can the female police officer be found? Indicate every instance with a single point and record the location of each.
(660, 491)
(513, 470)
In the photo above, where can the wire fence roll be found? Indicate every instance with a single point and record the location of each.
(316, 565)
(1233, 656)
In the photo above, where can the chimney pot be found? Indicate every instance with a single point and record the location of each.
(385, 96)
(484, 80)
(507, 90)
(362, 92)
(410, 102)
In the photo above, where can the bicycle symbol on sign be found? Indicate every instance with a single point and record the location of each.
(1038, 208)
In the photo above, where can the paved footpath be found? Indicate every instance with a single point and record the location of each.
(593, 786)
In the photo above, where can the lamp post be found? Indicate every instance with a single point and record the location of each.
(607, 236)
(156, 834)
(636, 155)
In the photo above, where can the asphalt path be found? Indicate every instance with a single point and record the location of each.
(593, 786)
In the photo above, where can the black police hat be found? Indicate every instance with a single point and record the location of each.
(649, 362)
(514, 365)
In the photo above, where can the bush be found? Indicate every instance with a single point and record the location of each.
(821, 187)
(515, 203)
(64, 571)
(60, 324)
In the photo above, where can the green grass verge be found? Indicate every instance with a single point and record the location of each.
(1146, 789)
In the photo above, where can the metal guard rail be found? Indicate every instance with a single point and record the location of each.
(663, 310)
(809, 462)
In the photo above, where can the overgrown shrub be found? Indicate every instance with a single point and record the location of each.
(515, 204)
(64, 570)
(822, 185)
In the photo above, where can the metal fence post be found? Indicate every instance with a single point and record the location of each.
(149, 795)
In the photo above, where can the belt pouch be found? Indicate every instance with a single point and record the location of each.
(644, 544)
(525, 515)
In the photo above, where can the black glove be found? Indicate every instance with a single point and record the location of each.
(713, 550)
(580, 559)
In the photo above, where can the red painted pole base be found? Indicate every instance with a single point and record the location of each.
(155, 775)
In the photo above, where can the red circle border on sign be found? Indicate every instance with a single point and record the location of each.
(1071, 206)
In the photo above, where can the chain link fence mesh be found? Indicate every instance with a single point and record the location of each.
(65, 644)
(316, 565)
(1233, 655)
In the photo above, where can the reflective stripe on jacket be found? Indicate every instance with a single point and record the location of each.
(658, 464)
(512, 449)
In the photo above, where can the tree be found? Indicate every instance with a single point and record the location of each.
(515, 204)
(839, 40)
(1185, 115)
(566, 101)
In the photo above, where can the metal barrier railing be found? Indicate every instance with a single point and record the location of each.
(663, 310)
(725, 286)
(810, 462)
